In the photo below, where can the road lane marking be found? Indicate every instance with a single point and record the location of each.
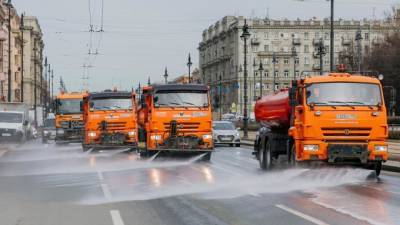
(106, 191)
(116, 217)
(302, 215)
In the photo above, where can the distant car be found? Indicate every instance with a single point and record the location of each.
(229, 117)
(224, 132)
(49, 130)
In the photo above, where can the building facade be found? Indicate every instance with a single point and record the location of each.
(26, 59)
(294, 44)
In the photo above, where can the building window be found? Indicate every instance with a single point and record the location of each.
(366, 36)
(306, 61)
(297, 60)
(266, 48)
(297, 74)
(276, 87)
(255, 73)
(266, 35)
(285, 85)
(285, 49)
(276, 35)
(267, 86)
(266, 73)
(306, 36)
(326, 61)
(254, 48)
(306, 49)
(327, 36)
(327, 48)
(286, 73)
(276, 73)
(266, 61)
(317, 35)
(286, 61)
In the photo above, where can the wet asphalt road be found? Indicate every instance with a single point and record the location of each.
(60, 185)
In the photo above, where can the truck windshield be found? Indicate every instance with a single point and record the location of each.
(69, 106)
(10, 118)
(110, 104)
(354, 94)
(184, 99)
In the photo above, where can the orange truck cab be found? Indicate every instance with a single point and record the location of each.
(338, 118)
(110, 120)
(175, 118)
(68, 117)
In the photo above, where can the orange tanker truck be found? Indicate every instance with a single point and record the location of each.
(175, 118)
(110, 120)
(68, 117)
(338, 118)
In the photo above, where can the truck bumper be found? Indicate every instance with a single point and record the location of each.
(182, 150)
(344, 152)
(109, 146)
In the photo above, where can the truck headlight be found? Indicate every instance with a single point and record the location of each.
(155, 137)
(207, 136)
(313, 148)
(92, 134)
(131, 133)
(381, 148)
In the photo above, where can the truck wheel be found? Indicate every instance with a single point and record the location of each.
(266, 156)
(292, 157)
(207, 157)
(378, 168)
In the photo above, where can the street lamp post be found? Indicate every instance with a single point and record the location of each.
(261, 70)
(220, 97)
(332, 35)
(254, 79)
(48, 87)
(9, 5)
(189, 64)
(166, 75)
(45, 78)
(22, 28)
(274, 75)
(34, 83)
(245, 35)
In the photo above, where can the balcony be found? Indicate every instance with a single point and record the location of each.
(317, 41)
(255, 41)
(316, 67)
(346, 42)
(296, 41)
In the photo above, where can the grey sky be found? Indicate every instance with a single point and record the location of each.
(142, 37)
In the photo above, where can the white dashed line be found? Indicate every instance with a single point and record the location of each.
(116, 217)
(302, 215)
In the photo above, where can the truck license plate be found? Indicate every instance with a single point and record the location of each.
(6, 135)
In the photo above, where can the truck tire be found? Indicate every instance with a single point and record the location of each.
(207, 157)
(378, 168)
(265, 155)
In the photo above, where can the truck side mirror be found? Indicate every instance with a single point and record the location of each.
(81, 106)
(91, 104)
(155, 99)
(26, 123)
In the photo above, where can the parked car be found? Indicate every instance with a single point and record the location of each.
(224, 132)
(49, 130)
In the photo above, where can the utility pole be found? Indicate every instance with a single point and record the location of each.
(294, 53)
(189, 64)
(49, 86)
(45, 78)
(52, 85)
(22, 27)
(254, 79)
(9, 50)
(261, 69)
(166, 75)
(332, 36)
(321, 53)
(220, 97)
(34, 83)
(359, 50)
(274, 76)
(245, 35)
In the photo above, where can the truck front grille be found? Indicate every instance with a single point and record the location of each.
(346, 132)
(73, 124)
(115, 125)
(183, 126)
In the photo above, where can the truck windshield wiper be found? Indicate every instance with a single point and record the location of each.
(344, 103)
(361, 103)
(322, 103)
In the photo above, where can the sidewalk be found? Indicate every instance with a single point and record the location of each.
(393, 164)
